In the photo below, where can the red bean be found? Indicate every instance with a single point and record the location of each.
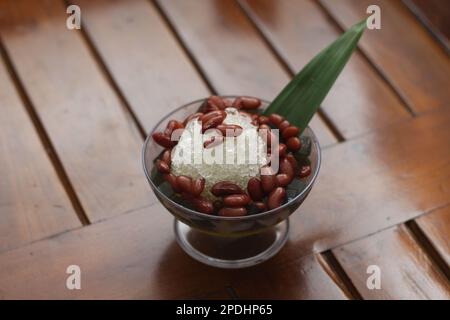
(227, 102)
(260, 206)
(218, 204)
(305, 171)
(254, 189)
(292, 161)
(268, 179)
(209, 108)
(275, 119)
(185, 183)
(167, 156)
(197, 186)
(163, 140)
(272, 140)
(266, 134)
(193, 116)
(212, 142)
(276, 198)
(286, 167)
(291, 131)
(225, 188)
(162, 166)
(169, 128)
(172, 180)
(237, 103)
(283, 179)
(217, 102)
(232, 212)
(173, 125)
(250, 103)
(249, 115)
(254, 118)
(293, 144)
(236, 200)
(282, 149)
(178, 125)
(230, 130)
(212, 123)
(283, 125)
(212, 114)
(263, 120)
(203, 205)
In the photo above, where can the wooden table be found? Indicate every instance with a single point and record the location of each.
(76, 104)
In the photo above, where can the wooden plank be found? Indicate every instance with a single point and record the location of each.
(33, 203)
(434, 14)
(436, 226)
(437, 12)
(145, 60)
(302, 279)
(402, 50)
(406, 270)
(230, 52)
(95, 139)
(136, 256)
(376, 181)
(334, 270)
(360, 100)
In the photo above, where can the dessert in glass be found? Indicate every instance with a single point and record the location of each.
(231, 177)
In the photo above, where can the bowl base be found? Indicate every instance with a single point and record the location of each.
(231, 252)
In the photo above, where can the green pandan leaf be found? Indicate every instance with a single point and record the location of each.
(301, 98)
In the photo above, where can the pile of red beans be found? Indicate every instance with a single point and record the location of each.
(264, 193)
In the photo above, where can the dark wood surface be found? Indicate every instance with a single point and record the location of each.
(76, 106)
(406, 270)
(434, 15)
(402, 50)
(436, 225)
(365, 101)
(93, 135)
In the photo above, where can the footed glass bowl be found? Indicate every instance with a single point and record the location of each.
(227, 242)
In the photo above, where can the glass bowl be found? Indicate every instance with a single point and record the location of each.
(227, 242)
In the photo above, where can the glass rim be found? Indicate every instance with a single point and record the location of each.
(215, 217)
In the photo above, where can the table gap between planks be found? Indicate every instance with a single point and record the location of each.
(77, 104)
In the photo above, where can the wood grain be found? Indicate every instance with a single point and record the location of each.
(230, 52)
(302, 279)
(406, 270)
(135, 256)
(402, 50)
(96, 140)
(434, 14)
(366, 185)
(376, 181)
(33, 202)
(360, 101)
(143, 56)
(436, 226)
